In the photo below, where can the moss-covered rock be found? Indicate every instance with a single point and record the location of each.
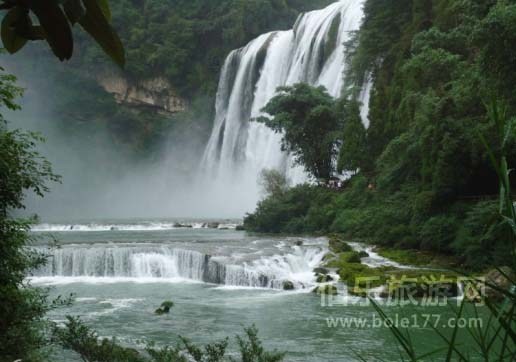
(326, 290)
(338, 245)
(165, 308)
(363, 254)
(344, 258)
(324, 278)
(321, 270)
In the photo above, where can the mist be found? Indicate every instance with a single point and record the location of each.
(100, 180)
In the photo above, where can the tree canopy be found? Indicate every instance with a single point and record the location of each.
(425, 180)
(310, 124)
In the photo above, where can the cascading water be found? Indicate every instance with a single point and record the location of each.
(238, 149)
(161, 263)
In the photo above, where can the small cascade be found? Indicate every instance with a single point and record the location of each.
(375, 260)
(164, 262)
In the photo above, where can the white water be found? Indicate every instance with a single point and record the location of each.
(140, 226)
(375, 260)
(238, 150)
(116, 263)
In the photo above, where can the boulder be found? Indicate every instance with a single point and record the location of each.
(326, 290)
(354, 257)
(165, 308)
(339, 246)
(324, 278)
(299, 242)
(363, 254)
(213, 225)
(288, 285)
(321, 271)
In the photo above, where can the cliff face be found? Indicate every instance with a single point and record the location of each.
(155, 93)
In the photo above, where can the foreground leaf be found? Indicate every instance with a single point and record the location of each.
(10, 38)
(56, 26)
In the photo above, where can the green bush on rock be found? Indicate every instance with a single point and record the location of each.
(165, 308)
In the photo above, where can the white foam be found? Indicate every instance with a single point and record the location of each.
(143, 226)
(375, 260)
(60, 280)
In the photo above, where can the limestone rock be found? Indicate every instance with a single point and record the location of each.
(154, 93)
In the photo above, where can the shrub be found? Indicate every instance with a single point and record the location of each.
(438, 232)
(483, 239)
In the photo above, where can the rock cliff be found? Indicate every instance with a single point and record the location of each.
(155, 93)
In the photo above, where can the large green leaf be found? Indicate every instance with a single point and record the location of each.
(56, 27)
(10, 38)
(96, 24)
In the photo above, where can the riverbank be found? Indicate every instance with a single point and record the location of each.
(462, 235)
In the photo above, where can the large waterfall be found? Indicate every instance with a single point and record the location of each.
(238, 149)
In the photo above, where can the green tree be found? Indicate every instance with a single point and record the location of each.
(22, 307)
(273, 182)
(354, 147)
(310, 124)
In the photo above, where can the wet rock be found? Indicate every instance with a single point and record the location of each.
(165, 308)
(264, 280)
(324, 278)
(240, 228)
(213, 225)
(321, 270)
(299, 242)
(363, 254)
(288, 285)
(339, 246)
(326, 290)
(183, 226)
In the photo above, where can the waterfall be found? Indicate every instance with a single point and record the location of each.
(165, 263)
(238, 150)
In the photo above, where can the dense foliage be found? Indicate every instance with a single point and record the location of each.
(425, 178)
(188, 40)
(22, 308)
(185, 42)
(78, 337)
(309, 122)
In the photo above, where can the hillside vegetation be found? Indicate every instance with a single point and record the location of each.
(183, 41)
(424, 180)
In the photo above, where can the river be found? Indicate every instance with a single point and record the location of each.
(221, 280)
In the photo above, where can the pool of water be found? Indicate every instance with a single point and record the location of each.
(220, 281)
